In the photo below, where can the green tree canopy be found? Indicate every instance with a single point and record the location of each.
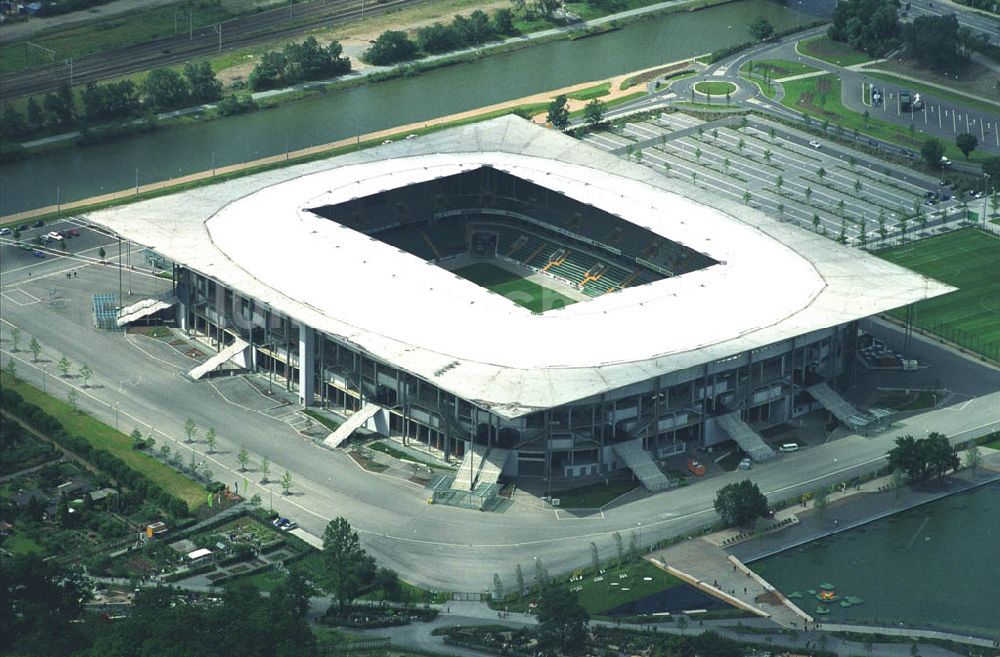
(205, 87)
(562, 622)
(761, 29)
(558, 115)
(164, 88)
(391, 47)
(966, 143)
(741, 503)
(934, 42)
(593, 113)
(871, 26)
(348, 568)
(923, 458)
(932, 151)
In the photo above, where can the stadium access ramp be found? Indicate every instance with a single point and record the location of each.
(143, 308)
(642, 464)
(833, 402)
(218, 359)
(353, 423)
(480, 466)
(749, 440)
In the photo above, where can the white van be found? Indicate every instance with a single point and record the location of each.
(789, 447)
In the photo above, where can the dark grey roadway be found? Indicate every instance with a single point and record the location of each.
(140, 382)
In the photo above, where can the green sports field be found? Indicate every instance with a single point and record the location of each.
(970, 260)
(521, 291)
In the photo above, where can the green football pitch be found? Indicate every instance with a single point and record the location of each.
(521, 291)
(970, 260)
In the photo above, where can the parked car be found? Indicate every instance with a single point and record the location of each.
(945, 162)
(288, 526)
(38, 254)
(22, 227)
(280, 522)
(745, 464)
(5, 231)
(696, 468)
(38, 224)
(814, 143)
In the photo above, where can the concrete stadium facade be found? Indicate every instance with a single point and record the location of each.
(688, 359)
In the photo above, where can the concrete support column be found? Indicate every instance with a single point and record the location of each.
(307, 365)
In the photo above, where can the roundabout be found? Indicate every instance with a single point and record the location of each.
(715, 88)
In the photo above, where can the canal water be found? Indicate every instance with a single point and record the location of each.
(77, 173)
(935, 566)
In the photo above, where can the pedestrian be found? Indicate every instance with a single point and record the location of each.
(744, 590)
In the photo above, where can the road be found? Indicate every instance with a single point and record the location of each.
(141, 382)
(266, 26)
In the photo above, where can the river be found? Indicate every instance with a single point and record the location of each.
(934, 566)
(75, 173)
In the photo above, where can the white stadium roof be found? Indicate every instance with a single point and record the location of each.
(774, 281)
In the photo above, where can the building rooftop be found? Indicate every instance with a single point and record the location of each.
(773, 281)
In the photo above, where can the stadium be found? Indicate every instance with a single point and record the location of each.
(507, 295)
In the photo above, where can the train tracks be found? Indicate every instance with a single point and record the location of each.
(241, 32)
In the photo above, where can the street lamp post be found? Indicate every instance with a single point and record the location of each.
(45, 376)
(116, 415)
(640, 535)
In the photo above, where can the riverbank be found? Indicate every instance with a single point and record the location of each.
(361, 74)
(533, 105)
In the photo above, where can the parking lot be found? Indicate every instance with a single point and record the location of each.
(933, 112)
(825, 187)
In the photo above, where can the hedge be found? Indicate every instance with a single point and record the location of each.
(36, 418)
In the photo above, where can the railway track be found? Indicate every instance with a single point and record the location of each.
(237, 33)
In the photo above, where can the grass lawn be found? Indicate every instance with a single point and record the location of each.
(826, 49)
(519, 290)
(993, 444)
(104, 437)
(589, 93)
(21, 544)
(820, 96)
(399, 454)
(323, 419)
(594, 496)
(714, 88)
(599, 597)
(968, 260)
(946, 94)
(779, 68)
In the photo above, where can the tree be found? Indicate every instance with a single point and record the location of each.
(42, 599)
(72, 398)
(136, 438)
(503, 21)
(593, 113)
(595, 559)
(991, 167)
(633, 547)
(265, 466)
(934, 42)
(205, 87)
(269, 71)
(85, 374)
(541, 574)
(868, 25)
(966, 143)
(101, 253)
(761, 29)
(497, 587)
(391, 47)
(519, 576)
(286, 483)
(558, 115)
(64, 365)
(932, 151)
(34, 116)
(243, 458)
(60, 106)
(821, 502)
(682, 623)
(619, 549)
(940, 455)
(164, 88)
(14, 124)
(821, 173)
(562, 622)
(15, 337)
(36, 348)
(437, 38)
(973, 458)
(191, 429)
(11, 369)
(345, 564)
(740, 503)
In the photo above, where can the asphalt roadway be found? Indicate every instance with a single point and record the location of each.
(141, 382)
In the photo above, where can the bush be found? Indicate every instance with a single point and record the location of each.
(391, 47)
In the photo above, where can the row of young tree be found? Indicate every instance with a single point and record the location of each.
(393, 47)
(98, 102)
(298, 62)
